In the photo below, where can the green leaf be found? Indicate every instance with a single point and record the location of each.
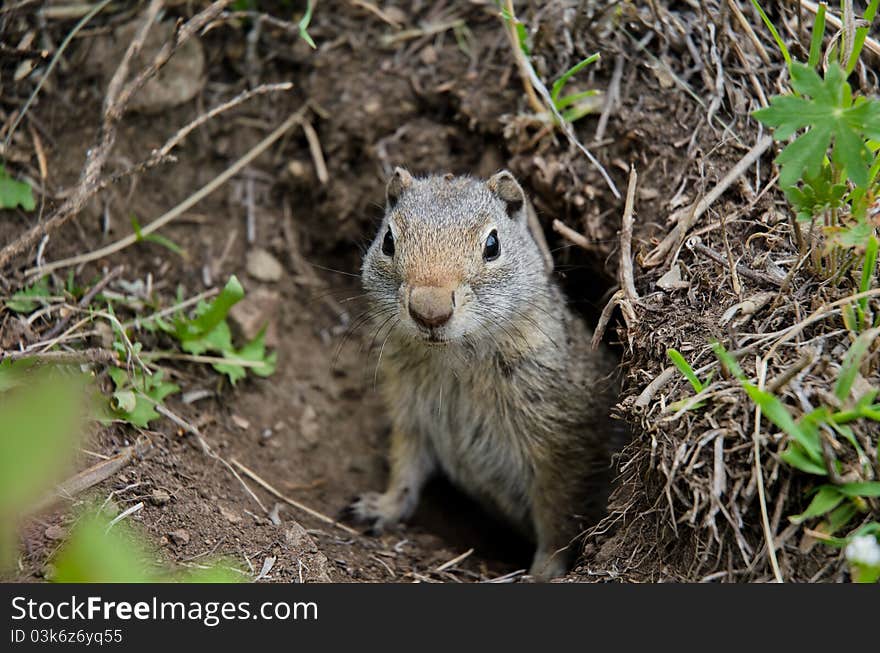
(852, 360)
(253, 352)
(838, 518)
(827, 498)
(167, 243)
(25, 301)
(685, 368)
(803, 156)
(775, 411)
(862, 489)
(794, 455)
(215, 312)
(818, 34)
(303, 25)
(15, 193)
(137, 395)
(560, 83)
(728, 361)
(828, 113)
(779, 42)
(40, 412)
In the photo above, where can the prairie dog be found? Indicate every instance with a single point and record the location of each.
(487, 374)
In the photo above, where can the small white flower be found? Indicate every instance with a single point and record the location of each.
(864, 549)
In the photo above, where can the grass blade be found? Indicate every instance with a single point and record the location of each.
(560, 83)
(827, 498)
(818, 34)
(852, 360)
(770, 26)
(685, 368)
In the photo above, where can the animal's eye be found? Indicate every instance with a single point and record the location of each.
(388, 244)
(492, 248)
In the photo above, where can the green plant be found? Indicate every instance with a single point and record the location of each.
(100, 552)
(863, 554)
(15, 193)
(24, 301)
(684, 367)
(41, 413)
(837, 503)
(209, 332)
(137, 394)
(829, 171)
(571, 107)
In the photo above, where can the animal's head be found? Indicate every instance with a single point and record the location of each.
(454, 260)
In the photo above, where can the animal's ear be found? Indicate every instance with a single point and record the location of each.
(504, 186)
(399, 182)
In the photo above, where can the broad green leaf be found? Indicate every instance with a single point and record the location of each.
(214, 313)
(795, 457)
(25, 301)
(15, 193)
(827, 498)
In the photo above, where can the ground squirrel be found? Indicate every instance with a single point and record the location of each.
(488, 375)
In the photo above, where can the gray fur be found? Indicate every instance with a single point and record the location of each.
(505, 398)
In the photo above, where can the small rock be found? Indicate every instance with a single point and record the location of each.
(308, 424)
(181, 79)
(240, 422)
(262, 266)
(230, 516)
(56, 533)
(428, 55)
(257, 310)
(159, 497)
(314, 562)
(179, 537)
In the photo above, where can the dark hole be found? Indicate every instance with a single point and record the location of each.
(462, 524)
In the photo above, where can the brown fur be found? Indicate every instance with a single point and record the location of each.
(503, 395)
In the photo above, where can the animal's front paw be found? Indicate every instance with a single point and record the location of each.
(378, 512)
(548, 565)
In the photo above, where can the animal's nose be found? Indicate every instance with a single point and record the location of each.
(431, 306)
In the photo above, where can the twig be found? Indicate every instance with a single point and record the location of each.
(55, 59)
(571, 235)
(626, 232)
(747, 28)
(685, 218)
(872, 44)
(115, 103)
(740, 268)
(315, 151)
(193, 199)
(96, 473)
(759, 474)
(451, 563)
(612, 97)
(125, 513)
(522, 63)
(100, 356)
(158, 155)
(296, 504)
